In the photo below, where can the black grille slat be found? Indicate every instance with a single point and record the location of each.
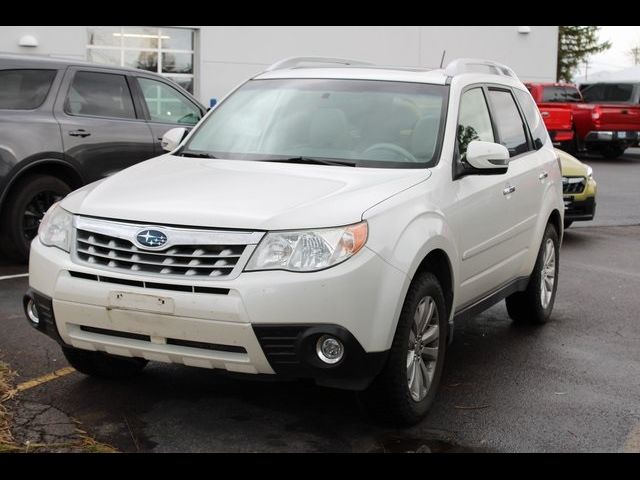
(154, 285)
(170, 341)
(573, 184)
(206, 346)
(210, 261)
(115, 333)
(279, 343)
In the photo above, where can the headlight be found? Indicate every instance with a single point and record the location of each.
(308, 250)
(55, 228)
(589, 172)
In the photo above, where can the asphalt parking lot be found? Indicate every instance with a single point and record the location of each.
(571, 385)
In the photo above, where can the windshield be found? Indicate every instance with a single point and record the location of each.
(561, 94)
(363, 122)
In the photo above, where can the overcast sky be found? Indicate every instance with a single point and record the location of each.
(616, 58)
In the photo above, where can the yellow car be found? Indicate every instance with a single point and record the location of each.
(579, 188)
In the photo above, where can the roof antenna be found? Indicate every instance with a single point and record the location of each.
(444, 52)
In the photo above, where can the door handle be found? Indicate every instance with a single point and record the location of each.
(79, 133)
(510, 189)
(543, 175)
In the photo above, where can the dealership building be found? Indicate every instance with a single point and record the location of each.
(210, 60)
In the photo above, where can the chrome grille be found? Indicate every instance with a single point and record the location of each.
(204, 254)
(573, 184)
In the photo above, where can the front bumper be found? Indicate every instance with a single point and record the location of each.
(581, 206)
(231, 327)
(579, 210)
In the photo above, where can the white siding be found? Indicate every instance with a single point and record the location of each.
(227, 55)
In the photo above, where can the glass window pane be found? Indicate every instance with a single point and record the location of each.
(24, 89)
(100, 94)
(177, 39)
(107, 57)
(184, 82)
(103, 36)
(508, 122)
(532, 114)
(140, 37)
(474, 122)
(167, 105)
(177, 62)
(142, 60)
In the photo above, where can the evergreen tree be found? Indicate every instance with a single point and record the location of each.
(575, 45)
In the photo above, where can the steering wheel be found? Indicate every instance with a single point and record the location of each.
(392, 147)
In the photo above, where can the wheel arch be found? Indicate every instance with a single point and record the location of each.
(54, 167)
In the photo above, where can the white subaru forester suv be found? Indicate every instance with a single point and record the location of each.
(329, 219)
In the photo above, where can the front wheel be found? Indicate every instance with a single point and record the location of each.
(534, 305)
(27, 203)
(405, 389)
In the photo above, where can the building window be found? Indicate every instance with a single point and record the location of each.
(167, 51)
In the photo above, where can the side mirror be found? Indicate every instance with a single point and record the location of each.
(488, 157)
(172, 138)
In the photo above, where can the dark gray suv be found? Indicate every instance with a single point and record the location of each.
(65, 123)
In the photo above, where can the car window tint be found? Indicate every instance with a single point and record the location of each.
(608, 92)
(166, 104)
(474, 122)
(532, 115)
(508, 122)
(100, 95)
(560, 94)
(24, 89)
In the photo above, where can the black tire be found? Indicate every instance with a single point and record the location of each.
(527, 307)
(104, 365)
(388, 399)
(34, 193)
(611, 151)
(567, 223)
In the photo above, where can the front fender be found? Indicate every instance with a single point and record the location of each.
(404, 229)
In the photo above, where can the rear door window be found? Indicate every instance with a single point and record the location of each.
(100, 95)
(24, 89)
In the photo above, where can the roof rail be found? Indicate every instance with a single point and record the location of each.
(476, 65)
(293, 62)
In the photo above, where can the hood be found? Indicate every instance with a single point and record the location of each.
(571, 166)
(217, 193)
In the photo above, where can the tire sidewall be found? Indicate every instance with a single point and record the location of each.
(24, 193)
(544, 313)
(427, 286)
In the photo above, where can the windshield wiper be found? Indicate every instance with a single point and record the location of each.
(312, 161)
(188, 153)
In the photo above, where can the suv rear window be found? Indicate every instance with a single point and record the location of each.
(24, 89)
(608, 92)
(561, 94)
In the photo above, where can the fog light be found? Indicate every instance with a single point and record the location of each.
(329, 349)
(32, 312)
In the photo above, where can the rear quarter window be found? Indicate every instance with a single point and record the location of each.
(24, 89)
(532, 117)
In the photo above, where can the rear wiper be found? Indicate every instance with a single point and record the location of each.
(188, 153)
(312, 161)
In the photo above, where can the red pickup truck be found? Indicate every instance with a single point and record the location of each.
(607, 128)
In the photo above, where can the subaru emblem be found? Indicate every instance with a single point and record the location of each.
(151, 238)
